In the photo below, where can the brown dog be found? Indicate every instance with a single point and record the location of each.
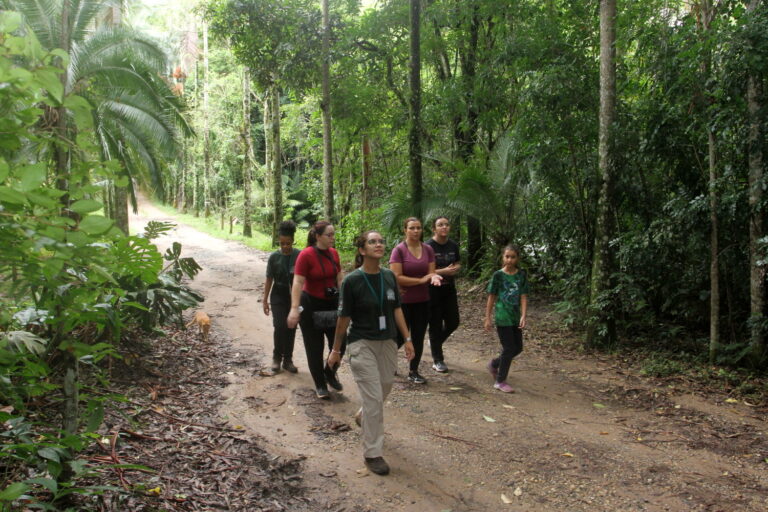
(203, 322)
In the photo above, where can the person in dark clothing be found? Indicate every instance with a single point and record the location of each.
(277, 297)
(443, 301)
(413, 262)
(314, 303)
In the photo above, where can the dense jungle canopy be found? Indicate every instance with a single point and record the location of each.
(620, 143)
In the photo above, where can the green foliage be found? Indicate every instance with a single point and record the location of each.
(661, 366)
(277, 42)
(510, 102)
(68, 277)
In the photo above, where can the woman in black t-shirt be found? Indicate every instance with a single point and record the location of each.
(277, 293)
(370, 301)
(443, 301)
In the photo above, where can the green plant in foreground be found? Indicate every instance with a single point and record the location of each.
(68, 280)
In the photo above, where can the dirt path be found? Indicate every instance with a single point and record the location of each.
(579, 433)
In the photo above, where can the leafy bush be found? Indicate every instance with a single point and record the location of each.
(69, 280)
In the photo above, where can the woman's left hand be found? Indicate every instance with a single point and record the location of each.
(436, 280)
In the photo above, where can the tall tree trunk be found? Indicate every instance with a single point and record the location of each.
(414, 137)
(328, 207)
(714, 250)
(756, 228)
(602, 329)
(268, 148)
(120, 213)
(206, 135)
(69, 413)
(277, 168)
(248, 157)
(365, 198)
(181, 195)
(704, 21)
(466, 133)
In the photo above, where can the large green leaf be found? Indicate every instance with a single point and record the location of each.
(84, 206)
(32, 176)
(95, 224)
(9, 195)
(9, 21)
(50, 81)
(13, 491)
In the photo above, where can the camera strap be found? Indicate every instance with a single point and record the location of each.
(322, 266)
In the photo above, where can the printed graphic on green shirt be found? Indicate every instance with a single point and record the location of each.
(508, 289)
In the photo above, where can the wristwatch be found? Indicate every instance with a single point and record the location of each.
(408, 338)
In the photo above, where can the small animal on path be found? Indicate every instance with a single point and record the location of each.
(203, 322)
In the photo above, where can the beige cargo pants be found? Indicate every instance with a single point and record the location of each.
(373, 364)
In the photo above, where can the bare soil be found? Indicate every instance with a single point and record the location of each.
(581, 433)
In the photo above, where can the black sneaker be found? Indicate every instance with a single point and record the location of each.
(276, 365)
(323, 394)
(416, 378)
(289, 366)
(377, 465)
(332, 380)
(439, 367)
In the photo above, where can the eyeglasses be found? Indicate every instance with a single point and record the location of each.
(376, 241)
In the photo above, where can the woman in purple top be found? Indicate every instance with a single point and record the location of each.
(413, 262)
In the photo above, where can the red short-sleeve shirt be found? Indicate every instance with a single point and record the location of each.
(318, 271)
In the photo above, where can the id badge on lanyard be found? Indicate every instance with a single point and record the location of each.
(382, 318)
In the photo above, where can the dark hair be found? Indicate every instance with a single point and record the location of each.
(411, 219)
(287, 228)
(360, 242)
(511, 247)
(317, 229)
(434, 221)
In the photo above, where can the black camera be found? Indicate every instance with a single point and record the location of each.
(331, 292)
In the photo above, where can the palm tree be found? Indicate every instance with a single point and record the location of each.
(137, 119)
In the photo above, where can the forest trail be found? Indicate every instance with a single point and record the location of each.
(580, 434)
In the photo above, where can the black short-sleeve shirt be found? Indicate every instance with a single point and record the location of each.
(280, 269)
(360, 300)
(445, 254)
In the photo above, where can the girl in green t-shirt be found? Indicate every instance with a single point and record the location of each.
(508, 296)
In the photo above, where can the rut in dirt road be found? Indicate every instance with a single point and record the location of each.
(579, 434)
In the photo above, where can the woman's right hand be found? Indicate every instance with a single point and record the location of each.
(293, 318)
(334, 358)
(266, 307)
(487, 325)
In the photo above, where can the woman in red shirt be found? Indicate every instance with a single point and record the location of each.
(314, 303)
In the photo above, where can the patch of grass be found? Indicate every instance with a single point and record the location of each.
(260, 241)
(660, 366)
(212, 226)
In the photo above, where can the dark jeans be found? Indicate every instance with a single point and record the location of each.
(416, 317)
(443, 317)
(511, 338)
(283, 337)
(313, 338)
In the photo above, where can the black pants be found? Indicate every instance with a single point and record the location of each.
(443, 317)
(416, 317)
(511, 338)
(314, 345)
(283, 337)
